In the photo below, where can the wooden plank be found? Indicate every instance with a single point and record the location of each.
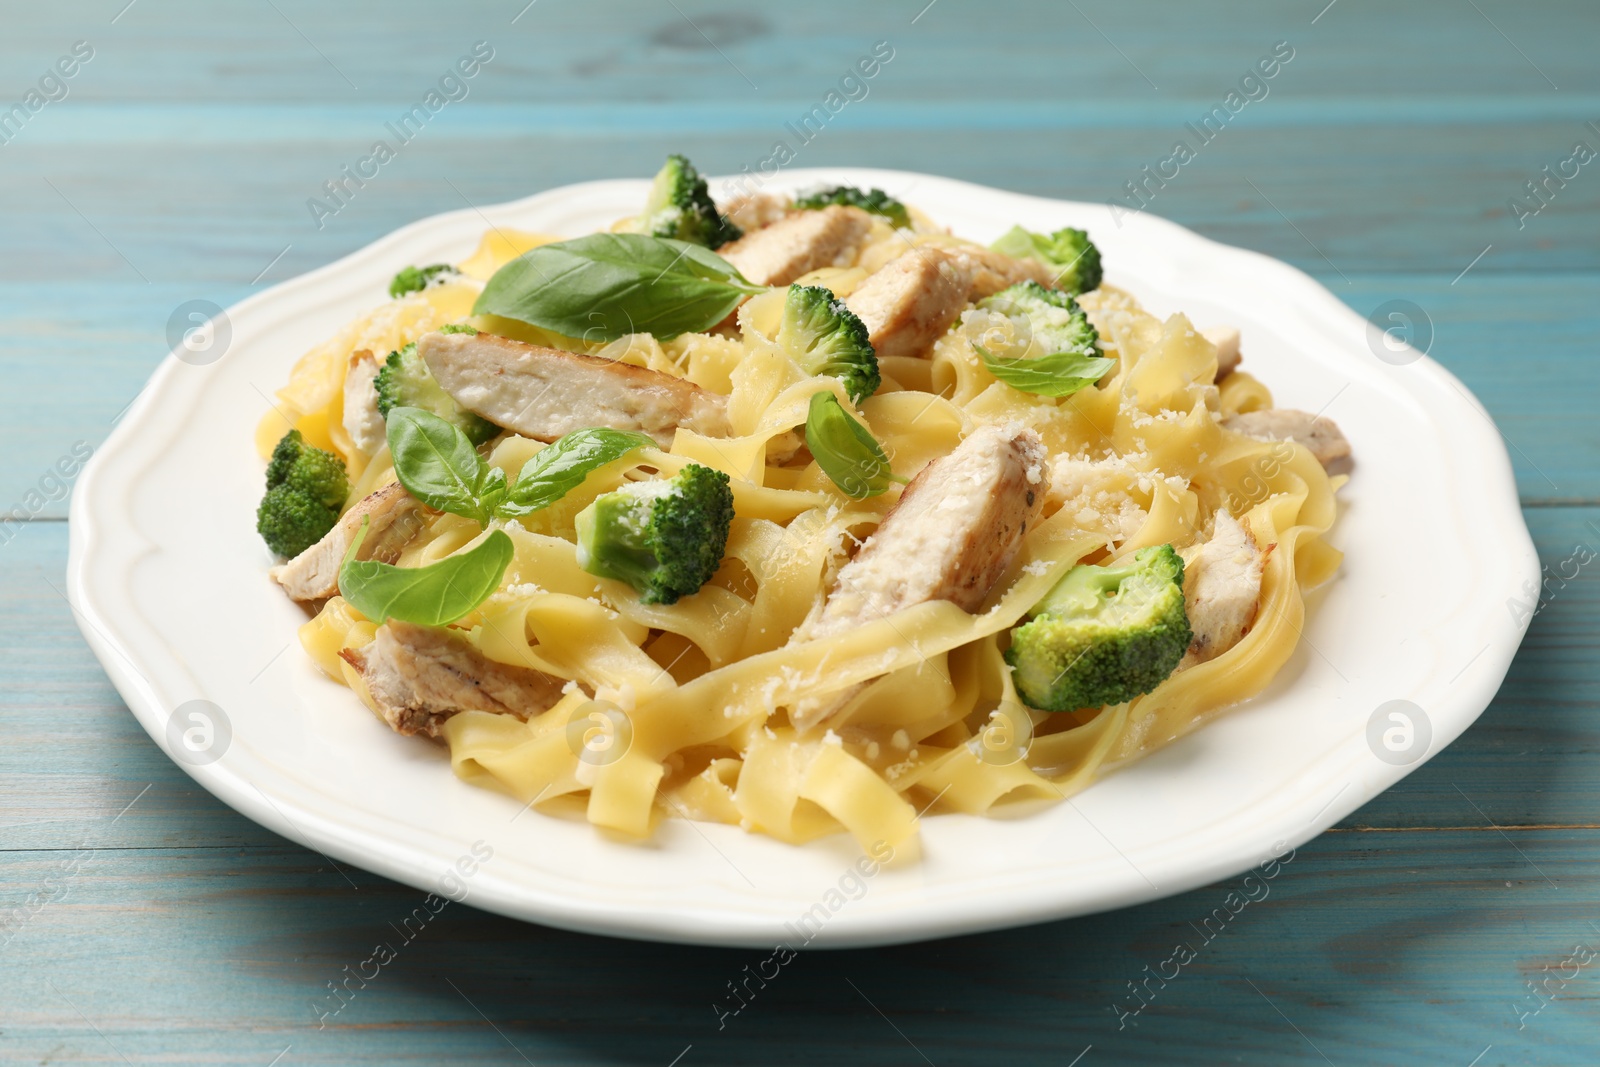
(107, 337)
(1366, 197)
(184, 156)
(617, 50)
(1406, 949)
(1382, 165)
(76, 757)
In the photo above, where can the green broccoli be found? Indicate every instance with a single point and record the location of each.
(679, 206)
(416, 279)
(1103, 635)
(1055, 321)
(306, 488)
(876, 202)
(404, 381)
(826, 338)
(664, 537)
(1068, 253)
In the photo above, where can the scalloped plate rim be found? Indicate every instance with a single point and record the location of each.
(101, 515)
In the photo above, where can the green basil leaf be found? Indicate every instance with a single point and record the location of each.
(434, 595)
(607, 285)
(560, 468)
(437, 464)
(1058, 374)
(493, 491)
(846, 450)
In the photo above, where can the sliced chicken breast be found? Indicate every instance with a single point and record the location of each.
(951, 535)
(989, 272)
(544, 393)
(799, 243)
(361, 419)
(1321, 435)
(912, 300)
(916, 297)
(395, 517)
(753, 211)
(419, 676)
(1221, 588)
(1226, 341)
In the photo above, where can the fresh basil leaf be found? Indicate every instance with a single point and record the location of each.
(561, 467)
(846, 450)
(1058, 374)
(493, 491)
(607, 285)
(437, 463)
(434, 595)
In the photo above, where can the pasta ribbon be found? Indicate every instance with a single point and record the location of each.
(930, 720)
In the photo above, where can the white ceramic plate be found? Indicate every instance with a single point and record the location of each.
(169, 580)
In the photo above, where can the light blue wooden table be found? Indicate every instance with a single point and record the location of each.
(175, 163)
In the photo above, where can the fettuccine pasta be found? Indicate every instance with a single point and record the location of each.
(689, 709)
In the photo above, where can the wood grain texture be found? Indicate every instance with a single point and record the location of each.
(1413, 947)
(1382, 162)
(619, 50)
(1418, 196)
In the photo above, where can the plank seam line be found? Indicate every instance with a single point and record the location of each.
(1452, 829)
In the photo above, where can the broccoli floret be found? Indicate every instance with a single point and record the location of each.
(1103, 635)
(664, 537)
(1068, 253)
(416, 279)
(319, 476)
(874, 201)
(305, 489)
(284, 455)
(404, 381)
(824, 337)
(1055, 321)
(291, 522)
(316, 473)
(680, 207)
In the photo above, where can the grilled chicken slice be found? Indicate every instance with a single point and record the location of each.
(419, 676)
(1221, 588)
(753, 211)
(951, 535)
(361, 419)
(395, 518)
(799, 243)
(1226, 341)
(989, 272)
(911, 301)
(1321, 435)
(544, 393)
